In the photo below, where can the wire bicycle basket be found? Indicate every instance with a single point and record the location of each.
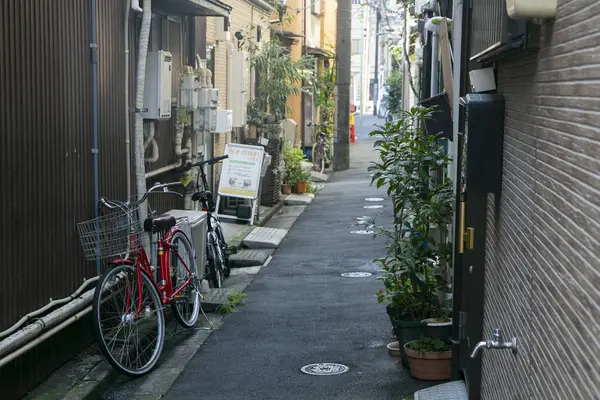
(113, 234)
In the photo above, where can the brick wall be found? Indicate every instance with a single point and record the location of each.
(543, 245)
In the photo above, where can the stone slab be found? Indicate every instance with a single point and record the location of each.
(249, 258)
(447, 391)
(264, 238)
(298, 199)
(319, 176)
(248, 271)
(282, 222)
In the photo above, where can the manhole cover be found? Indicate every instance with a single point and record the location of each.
(362, 232)
(373, 199)
(323, 369)
(374, 206)
(356, 274)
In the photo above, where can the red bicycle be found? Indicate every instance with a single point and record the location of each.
(129, 319)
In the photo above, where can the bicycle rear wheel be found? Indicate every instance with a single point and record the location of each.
(319, 159)
(215, 264)
(129, 321)
(186, 304)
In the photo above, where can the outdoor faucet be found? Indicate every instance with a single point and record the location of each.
(496, 343)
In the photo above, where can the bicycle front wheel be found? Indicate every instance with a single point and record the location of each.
(129, 321)
(184, 276)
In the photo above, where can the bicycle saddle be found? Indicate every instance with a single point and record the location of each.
(159, 223)
(206, 194)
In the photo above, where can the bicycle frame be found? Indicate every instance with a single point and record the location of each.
(141, 262)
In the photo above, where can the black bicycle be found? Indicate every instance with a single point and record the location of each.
(217, 250)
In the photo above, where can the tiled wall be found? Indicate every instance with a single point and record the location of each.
(543, 241)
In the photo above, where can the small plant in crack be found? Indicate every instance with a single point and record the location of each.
(234, 300)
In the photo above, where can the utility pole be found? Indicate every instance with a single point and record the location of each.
(343, 50)
(376, 77)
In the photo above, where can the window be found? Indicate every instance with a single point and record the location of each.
(355, 46)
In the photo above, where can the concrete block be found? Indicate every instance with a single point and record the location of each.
(249, 258)
(298, 199)
(319, 177)
(264, 238)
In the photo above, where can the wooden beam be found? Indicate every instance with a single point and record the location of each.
(446, 62)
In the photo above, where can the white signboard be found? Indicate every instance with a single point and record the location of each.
(240, 173)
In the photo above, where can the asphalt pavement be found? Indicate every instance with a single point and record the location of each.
(300, 310)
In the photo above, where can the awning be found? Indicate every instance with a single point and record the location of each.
(319, 52)
(198, 8)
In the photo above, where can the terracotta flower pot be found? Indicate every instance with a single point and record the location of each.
(286, 189)
(301, 186)
(429, 366)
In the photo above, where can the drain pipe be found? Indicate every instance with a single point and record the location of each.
(49, 321)
(94, 62)
(151, 141)
(127, 133)
(45, 336)
(140, 169)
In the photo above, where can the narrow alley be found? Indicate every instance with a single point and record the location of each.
(300, 311)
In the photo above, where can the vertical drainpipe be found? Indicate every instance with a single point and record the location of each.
(191, 61)
(302, 95)
(94, 62)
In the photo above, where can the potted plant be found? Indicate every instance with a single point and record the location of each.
(412, 167)
(429, 359)
(295, 175)
(302, 181)
(286, 188)
(279, 76)
(438, 328)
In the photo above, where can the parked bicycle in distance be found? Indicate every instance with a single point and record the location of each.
(128, 314)
(217, 250)
(321, 150)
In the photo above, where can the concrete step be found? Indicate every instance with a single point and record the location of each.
(298, 199)
(264, 238)
(249, 258)
(319, 176)
(446, 391)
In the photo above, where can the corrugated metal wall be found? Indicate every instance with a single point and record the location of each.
(46, 160)
(45, 150)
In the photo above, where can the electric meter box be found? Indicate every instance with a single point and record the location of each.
(157, 90)
(208, 98)
(224, 123)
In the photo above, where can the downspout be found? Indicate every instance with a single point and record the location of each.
(140, 169)
(127, 133)
(151, 141)
(94, 62)
(193, 145)
(302, 94)
(435, 55)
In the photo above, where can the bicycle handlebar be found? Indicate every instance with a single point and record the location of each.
(112, 204)
(212, 161)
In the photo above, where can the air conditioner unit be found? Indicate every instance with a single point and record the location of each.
(496, 35)
(529, 9)
(223, 33)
